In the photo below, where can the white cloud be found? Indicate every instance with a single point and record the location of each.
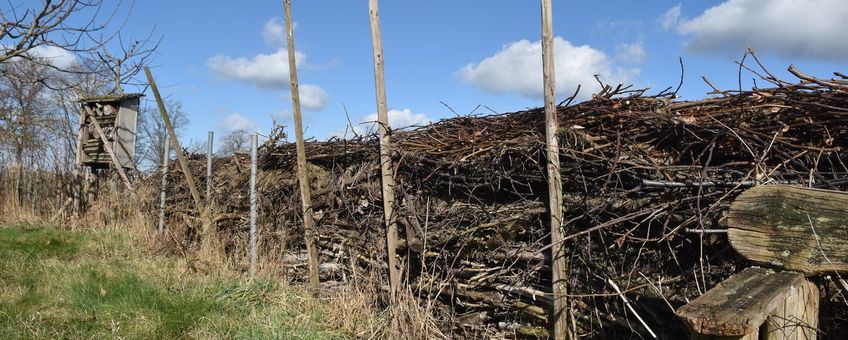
(631, 53)
(517, 68)
(236, 121)
(790, 28)
(398, 119)
(273, 33)
(268, 71)
(56, 56)
(671, 18)
(313, 97)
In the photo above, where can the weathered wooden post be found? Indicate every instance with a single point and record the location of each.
(559, 263)
(177, 147)
(166, 152)
(254, 253)
(209, 140)
(302, 174)
(386, 168)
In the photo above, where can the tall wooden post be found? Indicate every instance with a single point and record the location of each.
(386, 169)
(165, 158)
(77, 189)
(302, 175)
(558, 258)
(254, 251)
(209, 140)
(178, 149)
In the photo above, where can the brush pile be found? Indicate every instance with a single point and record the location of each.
(646, 182)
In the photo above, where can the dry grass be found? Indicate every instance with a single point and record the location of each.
(154, 267)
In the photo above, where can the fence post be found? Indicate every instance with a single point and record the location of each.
(559, 262)
(254, 253)
(165, 158)
(209, 167)
(386, 168)
(302, 174)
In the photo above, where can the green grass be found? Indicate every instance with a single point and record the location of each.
(96, 284)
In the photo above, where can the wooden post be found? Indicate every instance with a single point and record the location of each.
(796, 318)
(559, 262)
(254, 252)
(110, 151)
(302, 174)
(386, 168)
(209, 166)
(177, 147)
(165, 159)
(77, 184)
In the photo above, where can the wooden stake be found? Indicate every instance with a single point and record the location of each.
(302, 175)
(559, 261)
(110, 151)
(386, 169)
(165, 160)
(254, 252)
(178, 149)
(209, 166)
(77, 190)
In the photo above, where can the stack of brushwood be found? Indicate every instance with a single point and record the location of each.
(647, 180)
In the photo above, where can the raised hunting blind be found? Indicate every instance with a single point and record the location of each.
(116, 117)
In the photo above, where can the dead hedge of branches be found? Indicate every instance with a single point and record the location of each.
(646, 182)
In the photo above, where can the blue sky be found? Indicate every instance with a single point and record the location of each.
(225, 60)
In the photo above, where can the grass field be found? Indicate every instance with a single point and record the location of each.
(100, 284)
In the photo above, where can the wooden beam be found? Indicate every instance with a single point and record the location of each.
(791, 227)
(110, 151)
(559, 261)
(302, 174)
(178, 149)
(386, 164)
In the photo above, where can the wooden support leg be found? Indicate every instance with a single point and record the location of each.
(797, 318)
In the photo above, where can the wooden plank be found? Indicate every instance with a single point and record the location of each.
(559, 263)
(796, 318)
(791, 227)
(386, 167)
(302, 174)
(741, 304)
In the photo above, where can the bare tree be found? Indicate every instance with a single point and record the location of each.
(63, 24)
(152, 132)
(25, 120)
(124, 61)
(237, 141)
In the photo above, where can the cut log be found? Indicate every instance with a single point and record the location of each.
(738, 306)
(790, 227)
